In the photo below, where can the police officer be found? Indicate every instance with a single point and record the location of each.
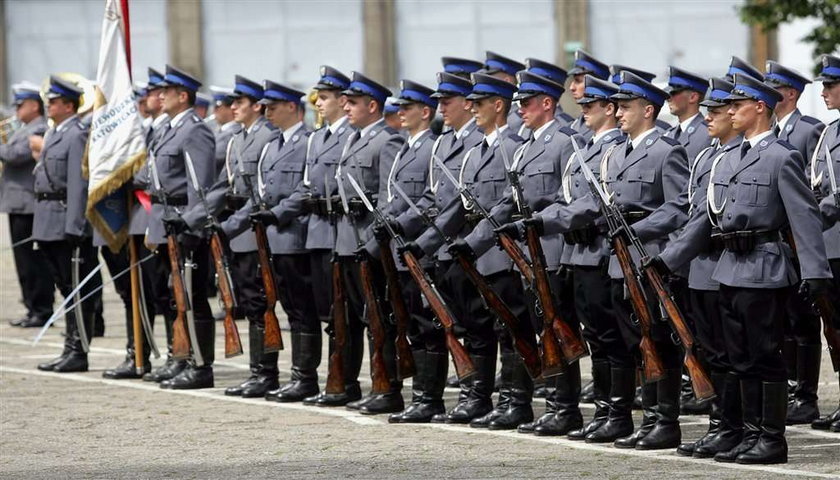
(555, 74)
(410, 170)
(185, 137)
(802, 347)
(686, 90)
(59, 225)
(461, 67)
(367, 154)
(17, 199)
(280, 169)
(538, 162)
(202, 104)
(223, 126)
(505, 69)
(231, 191)
(820, 182)
(737, 65)
(615, 77)
(755, 190)
(585, 64)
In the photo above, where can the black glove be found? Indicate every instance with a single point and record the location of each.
(410, 247)
(215, 228)
(189, 242)
(510, 229)
(263, 216)
(74, 240)
(621, 232)
(655, 262)
(362, 255)
(380, 231)
(175, 225)
(812, 289)
(536, 223)
(460, 247)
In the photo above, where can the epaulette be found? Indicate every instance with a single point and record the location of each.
(786, 144)
(568, 131)
(670, 141)
(810, 120)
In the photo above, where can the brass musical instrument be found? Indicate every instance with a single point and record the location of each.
(7, 128)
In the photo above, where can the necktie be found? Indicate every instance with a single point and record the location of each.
(590, 143)
(777, 130)
(629, 148)
(678, 132)
(484, 147)
(745, 147)
(327, 135)
(281, 140)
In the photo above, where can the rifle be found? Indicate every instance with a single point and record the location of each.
(825, 306)
(273, 340)
(703, 388)
(556, 332)
(507, 243)
(491, 299)
(463, 363)
(376, 325)
(335, 372)
(180, 337)
(233, 344)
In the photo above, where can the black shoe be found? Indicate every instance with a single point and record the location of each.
(17, 321)
(541, 391)
(802, 408)
(295, 391)
(390, 402)
(587, 393)
(648, 418)
(515, 415)
(689, 405)
(127, 370)
(190, 378)
(666, 433)
(560, 424)
(731, 428)
(824, 423)
(422, 413)
(751, 400)
(530, 426)
(351, 393)
(167, 371)
(260, 387)
(357, 404)
(32, 322)
(478, 402)
(771, 447)
(600, 396)
(236, 390)
(453, 382)
(74, 362)
(50, 366)
(619, 419)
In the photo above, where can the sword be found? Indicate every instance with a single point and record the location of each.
(188, 268)
(832, 176)
(64, 303)
(77, 310)
(465, 192)
(17, 244)
(144, 312)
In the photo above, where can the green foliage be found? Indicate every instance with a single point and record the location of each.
(769, 14)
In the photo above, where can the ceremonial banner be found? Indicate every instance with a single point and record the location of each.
(116, 149)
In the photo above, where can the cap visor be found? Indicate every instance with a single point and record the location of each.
(623, 96)
(266, 101)
(444, 94)
(735, 96)
(402, 101)
(586, 100)
(478, 96)
(712, 103)
(325, 86)
(577, 71)
(523, 95)
(827, 79)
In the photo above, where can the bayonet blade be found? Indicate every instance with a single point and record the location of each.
(360, 192)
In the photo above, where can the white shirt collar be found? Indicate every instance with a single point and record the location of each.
(638, 140)
(160, 120)
(289, 132)
(337, 124)
(601, 135)
(363, 133)
(253, 125)
(538, 132)
(684, 125)
(491, 139)
(783, 122)
(227, 126)
(460, 132)
(413, 139)
(61, 126)
(754, 140)
(177, 118)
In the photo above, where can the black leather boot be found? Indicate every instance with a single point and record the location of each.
(619, 419)
(802, 408)
(391, 401)
(666, 433)
(306, 356)
(771, 447)
(587, 392)
(505, 377)
(256, 336)
(689, 405)
(171, 367)
(431, 404)
(50, 365)
(417, 384)
(601, 398)
(568, 416)
(193, 376)
(352, 390)
(687, 449)
(751, 393)
(128, 368)
(542, 388)
(478, 401)
(824, 423)
(789, 357)
(463, 394)
(76, 359)
(550, 387)
(731, 420)
(453, 381)
(519, 408)
(648, 418)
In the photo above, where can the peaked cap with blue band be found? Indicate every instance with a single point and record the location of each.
(830, 72)
(633, 86)
(531, 85)
(462, 66)
(720, 88)
(498, 63)
(178, 78)
(749, 88)
(275, 92)
(586, 63)
(203, 100)
(245, 87)
(390, 107)
(452, 85)
(331, 79)
(595, 89)
(616, 69)
(736, 65)
(780, 76)
(139, 88)
(679, 79)
(413, 92)
(25, 91)
(60, 88)
(155, 79)
(222, 95)
(362, 85)
(485, 86)
(546, 69)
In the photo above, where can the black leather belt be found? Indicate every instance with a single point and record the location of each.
(234, 202)
(59, 195)
(174, 200)
(745, 241)
(633, 217)
(472, 219)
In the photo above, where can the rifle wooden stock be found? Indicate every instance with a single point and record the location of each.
(464, 367)
(136, 326)
(651, 363)
(335, 372)
(555, 330)
(233, 343)
(703, 388)
(273, 340)
(827, 311)
(518, 256)
(378, 371)
(405, 359)
(528, 352)
(180, 338)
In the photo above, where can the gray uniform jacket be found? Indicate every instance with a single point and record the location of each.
(439, 191)
(280, 172)
(409, 170)
(486, 177)
(802, 132)
(223, 135)
(369, 159)
(139, 220)
(579, 125)
(760, 192)
(563, 119)
(189, 135)
(59, 172)
(576, 214)
(829, 209)
(695, 138)
(540, 163)
(322, 157)
(17, 194)
(243, 150)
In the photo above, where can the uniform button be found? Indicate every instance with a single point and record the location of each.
(732, 198)
(728, 215)
(754, 179)
(577, 184)
(620, 177)
(618, 194)
(640, 175)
